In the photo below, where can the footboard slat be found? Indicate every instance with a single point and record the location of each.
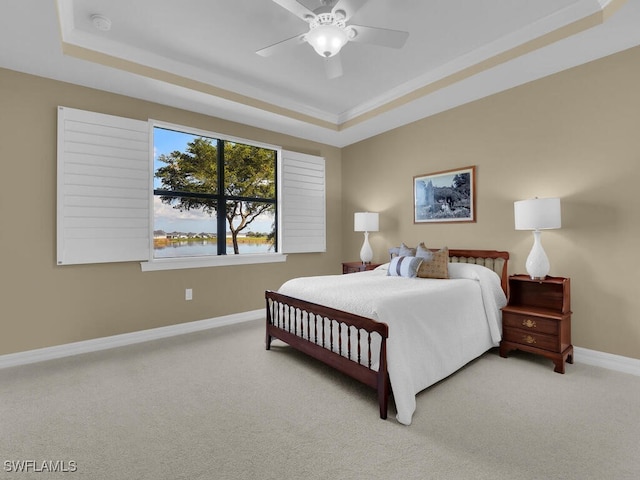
(323, 346)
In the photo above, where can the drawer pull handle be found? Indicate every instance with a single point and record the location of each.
(529, 339)
(529, 323)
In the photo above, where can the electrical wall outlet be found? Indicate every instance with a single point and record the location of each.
(188, 294)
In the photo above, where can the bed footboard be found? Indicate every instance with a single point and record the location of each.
(339, 339)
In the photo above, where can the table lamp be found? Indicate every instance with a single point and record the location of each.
(537, 214)
(366, 222)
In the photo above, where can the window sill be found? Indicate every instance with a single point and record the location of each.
(219, 261)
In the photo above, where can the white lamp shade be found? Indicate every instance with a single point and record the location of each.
(365, 222)
(537, 214)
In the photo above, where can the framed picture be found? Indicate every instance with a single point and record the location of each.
(448, 196)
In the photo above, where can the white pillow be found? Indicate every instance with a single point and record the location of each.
(404, 266)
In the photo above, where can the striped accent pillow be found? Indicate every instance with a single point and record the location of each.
(404, 266)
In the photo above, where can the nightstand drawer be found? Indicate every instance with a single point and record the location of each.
(530, 323)
(533, 339)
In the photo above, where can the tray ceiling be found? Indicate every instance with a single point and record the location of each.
(200, 55)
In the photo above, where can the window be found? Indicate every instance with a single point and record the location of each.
(113, 207)
(212, 196)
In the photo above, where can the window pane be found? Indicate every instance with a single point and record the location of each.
(190, 233)
(249, 171)
(184, 162)
(258, 234)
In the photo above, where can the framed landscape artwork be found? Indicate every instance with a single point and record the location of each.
(448, 196)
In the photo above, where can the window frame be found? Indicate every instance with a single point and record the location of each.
(153, 264)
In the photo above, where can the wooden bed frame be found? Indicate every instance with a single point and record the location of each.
(314, 334)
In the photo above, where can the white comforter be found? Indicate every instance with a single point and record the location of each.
(435, 326)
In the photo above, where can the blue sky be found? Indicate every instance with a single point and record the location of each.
(169, 219)
(165, 142)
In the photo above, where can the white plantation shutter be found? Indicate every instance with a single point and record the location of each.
(302, 210)
(103, 188)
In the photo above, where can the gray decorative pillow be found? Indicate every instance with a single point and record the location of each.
(424, 252)
(404, 266)
(405, 251)
(402, 251)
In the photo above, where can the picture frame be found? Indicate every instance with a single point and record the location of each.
(447, 196)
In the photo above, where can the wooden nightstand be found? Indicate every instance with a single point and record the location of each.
(353, 267)
(537, 319)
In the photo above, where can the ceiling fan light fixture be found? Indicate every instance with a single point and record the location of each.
(328, 31)
(327, 38)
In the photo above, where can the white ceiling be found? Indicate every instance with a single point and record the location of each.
(200, 55)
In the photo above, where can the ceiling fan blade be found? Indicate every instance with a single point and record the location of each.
(333, 67)
(378, 36)
(349, 7)
(297, 9)
(282, 47)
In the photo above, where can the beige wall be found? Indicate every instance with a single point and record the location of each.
(42, 304)
(575, 135)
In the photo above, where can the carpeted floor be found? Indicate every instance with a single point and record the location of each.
(217, 405)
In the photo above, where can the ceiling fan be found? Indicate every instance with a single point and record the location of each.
(329, 32)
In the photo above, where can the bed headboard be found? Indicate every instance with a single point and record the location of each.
(494, 259)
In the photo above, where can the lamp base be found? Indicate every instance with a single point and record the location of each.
(537, 262)
(366, 254)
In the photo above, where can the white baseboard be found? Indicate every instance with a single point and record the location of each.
(607, 360)
(97, 344)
